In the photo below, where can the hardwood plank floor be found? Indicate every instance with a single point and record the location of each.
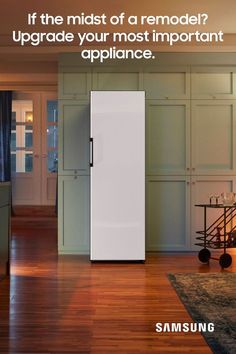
(33, 217)
(65, 304)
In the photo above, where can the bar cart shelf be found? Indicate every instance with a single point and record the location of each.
(219, 235)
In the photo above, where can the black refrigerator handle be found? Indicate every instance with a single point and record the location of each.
(91, 152)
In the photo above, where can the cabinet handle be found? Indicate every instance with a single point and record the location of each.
(193, 168)
(91, 152)
(193, 183)
(36, 156)
(188, 183)
(188, 168)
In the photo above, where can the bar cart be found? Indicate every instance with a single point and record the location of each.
(219, 235)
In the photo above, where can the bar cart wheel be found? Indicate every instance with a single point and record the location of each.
(225, 260)
(204, 255)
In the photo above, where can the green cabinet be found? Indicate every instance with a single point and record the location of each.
(213, 82)
(202, 188)
(73, 159)
(166, 82)
(73, 214)
(167, 213)
(168, 137)
(213, 132)
(74, 83)
(116, 78)
(73, 149)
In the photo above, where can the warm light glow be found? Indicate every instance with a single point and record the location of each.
(29, 117)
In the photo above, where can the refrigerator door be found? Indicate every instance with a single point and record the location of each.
(117, 193)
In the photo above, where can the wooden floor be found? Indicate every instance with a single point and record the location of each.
(33, 217)
(66, 304)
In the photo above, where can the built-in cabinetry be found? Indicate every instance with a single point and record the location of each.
(73, 214)
(73, 137)
(202, 188)
(167, 137)
(4, 227)
(73, 160)
(190, 144)
(168, 212)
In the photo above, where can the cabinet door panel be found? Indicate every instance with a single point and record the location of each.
(167, 213)
(74, 137)
(73, 214)
(167, 84)
(168, 137)
(213, 82)
(202, 189)
(116, 81)
(73, 83)
(213, 137)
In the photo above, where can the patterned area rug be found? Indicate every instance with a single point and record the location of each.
(211, 298)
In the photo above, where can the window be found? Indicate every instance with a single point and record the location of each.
(52, 135)
(22, 136)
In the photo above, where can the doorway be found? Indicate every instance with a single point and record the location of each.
(34, 148)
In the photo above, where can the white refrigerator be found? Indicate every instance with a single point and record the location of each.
(117, 184)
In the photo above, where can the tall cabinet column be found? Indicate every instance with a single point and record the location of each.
(167, 158)
(213, 143)
(73, 164)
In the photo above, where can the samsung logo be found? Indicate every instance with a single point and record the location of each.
(184, 327)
